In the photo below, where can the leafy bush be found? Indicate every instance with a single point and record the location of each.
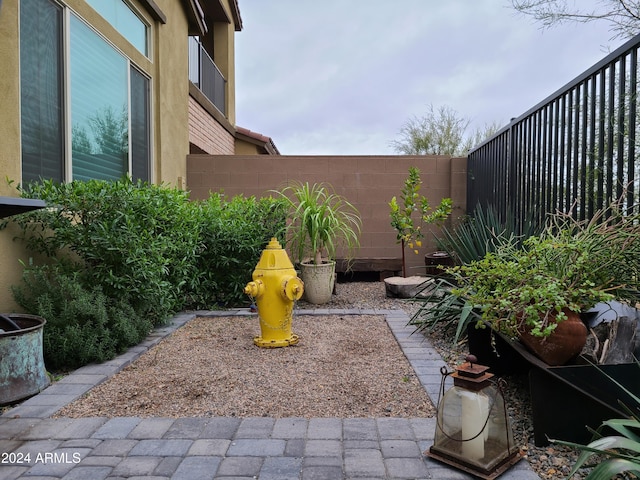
(234, 233)
(478, 235)
(151, 245)
(137, 241)
(516, 288)
(525, 278)
(83, 324)
(124, 256)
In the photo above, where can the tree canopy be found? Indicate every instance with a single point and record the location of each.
(441, 131)
(623, 16)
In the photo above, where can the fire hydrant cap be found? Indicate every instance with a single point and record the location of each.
(274, 244)
(255, 288)
(274, 257)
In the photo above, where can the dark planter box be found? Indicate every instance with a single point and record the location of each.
(495, 352)
(565, 400)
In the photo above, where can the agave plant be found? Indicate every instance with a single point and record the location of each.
(616, 454)
(484, 232)
(439, 306)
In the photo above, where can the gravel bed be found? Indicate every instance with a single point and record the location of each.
(343, 366)
(309, 382)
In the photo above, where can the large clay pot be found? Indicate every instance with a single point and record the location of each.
(566, 341)
(318, 281)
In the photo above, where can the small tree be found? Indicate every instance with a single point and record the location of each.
(408, 233)
(440, 131)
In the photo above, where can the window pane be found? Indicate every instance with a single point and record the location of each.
(118, 14)
(99, 107)
(140, 131)
(42, 117)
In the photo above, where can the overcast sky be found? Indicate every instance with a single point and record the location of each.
(343, 76)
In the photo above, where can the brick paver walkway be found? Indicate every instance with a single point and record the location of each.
(34, 446)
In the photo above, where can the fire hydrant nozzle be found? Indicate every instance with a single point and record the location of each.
(275, 287)
(292, 289)
(254, 289)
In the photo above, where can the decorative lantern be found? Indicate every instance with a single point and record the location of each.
(473, 431)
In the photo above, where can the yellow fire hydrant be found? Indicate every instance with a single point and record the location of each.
(275, 287)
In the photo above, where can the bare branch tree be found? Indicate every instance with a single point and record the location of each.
(440, 131)
(623, 16)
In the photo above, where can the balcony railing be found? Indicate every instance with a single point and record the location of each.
(204, 74)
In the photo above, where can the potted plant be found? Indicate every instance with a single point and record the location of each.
(539, 290)
(321, 223)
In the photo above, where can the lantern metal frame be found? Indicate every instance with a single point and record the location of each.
(474, 378)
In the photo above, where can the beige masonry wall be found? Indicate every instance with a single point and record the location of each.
(369, 182)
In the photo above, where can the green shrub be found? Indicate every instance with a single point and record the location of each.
(124, 256)
(83, 324)
(234, 233)
(152, 246)
(137, 241)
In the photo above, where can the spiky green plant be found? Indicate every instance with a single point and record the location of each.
(321, 222)
(483, 232)
(439, 306)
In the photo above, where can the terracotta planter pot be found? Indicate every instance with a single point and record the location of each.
(566, 341)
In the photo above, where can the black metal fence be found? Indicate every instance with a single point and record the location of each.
(574, 151)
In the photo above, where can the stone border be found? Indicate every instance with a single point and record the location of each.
(424, 359)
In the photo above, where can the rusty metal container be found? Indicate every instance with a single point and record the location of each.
(434, 260)
(22, 370)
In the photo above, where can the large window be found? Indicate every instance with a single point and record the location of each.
(120, 15)
(99, 111)
(42, 91)
(107, 119)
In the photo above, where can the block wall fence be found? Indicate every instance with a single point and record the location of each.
(369, 182)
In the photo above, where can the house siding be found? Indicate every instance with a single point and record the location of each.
(170, 104)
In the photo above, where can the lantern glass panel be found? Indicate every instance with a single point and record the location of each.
(473, 428)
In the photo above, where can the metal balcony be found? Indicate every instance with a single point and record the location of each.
(205, 75)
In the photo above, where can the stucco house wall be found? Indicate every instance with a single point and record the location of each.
(172, 95)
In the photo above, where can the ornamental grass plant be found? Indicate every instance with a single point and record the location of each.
(321, 222)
